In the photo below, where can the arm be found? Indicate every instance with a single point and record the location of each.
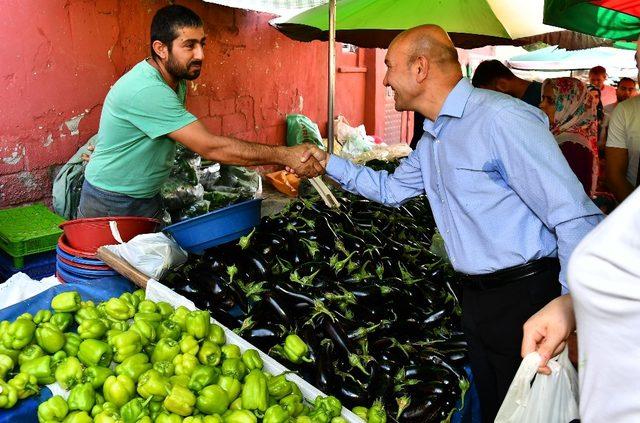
(536, 170)
(617, 162)
(198, 139)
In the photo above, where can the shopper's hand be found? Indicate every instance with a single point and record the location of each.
(310, 153)
(87, 156)
(302, 162)
(547, 331)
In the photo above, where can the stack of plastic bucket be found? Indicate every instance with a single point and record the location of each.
(76, 259)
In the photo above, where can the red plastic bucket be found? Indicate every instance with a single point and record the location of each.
(88, 235)
(63, 244)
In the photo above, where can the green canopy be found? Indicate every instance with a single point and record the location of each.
(611, 19)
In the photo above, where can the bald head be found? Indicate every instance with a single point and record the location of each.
(429, 41)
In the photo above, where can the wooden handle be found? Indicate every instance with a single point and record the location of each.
(123, 267)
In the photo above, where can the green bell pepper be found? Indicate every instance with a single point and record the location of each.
(180, 401)
(145, 330)
(78, 417)
(29, 353)
(217, 335)
(119, 389)
(19, 334)
(130, 299)
(55, 409)
(134, 366)
(293, 404)
(234, 367)
(134, 410)
(377, 413)
(295, 349)
(87, 313)
(360, 412)
(94, 353)
(179, 316)
(106, 408)
(165, 350)
(169, 329)
(141, 294)
(166, 417)
(327, 406)
(255, 395)
(9, 352)
(50, 337)
(203, 419)
(40, 368)
(236, 404)
(69, 372)
(25, 385)
(182, 380)
(118, 309)
(42, 316)
(240, 416)
(203, 376)
(154, 319)
(8, 395)
(96, 375)
(153, 385)
(251, 359)
(82, 397)
(212, 400)
(92, 329)
(189, 344)
(185, 364)
(339, 419)
(198, 323)
(165, 368)
(125, 345)
(155, 408)
(147, 306)
(72, 343)
(279, 387)
(112, 333)
(61, 320)
(230, 351)
(66, 302)
(165, 309)
(57, 359)
(6, 365)
(276, 414)
(120, 325)
(232, 386)
(210, 354)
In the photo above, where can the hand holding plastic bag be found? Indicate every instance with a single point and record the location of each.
(552, 398)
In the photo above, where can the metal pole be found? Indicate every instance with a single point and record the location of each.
(332, 71)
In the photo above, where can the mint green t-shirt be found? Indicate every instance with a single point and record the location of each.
(133, 155)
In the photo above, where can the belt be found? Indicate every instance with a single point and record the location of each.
(509, 275)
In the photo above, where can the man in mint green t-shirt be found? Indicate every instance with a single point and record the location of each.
(143, 117)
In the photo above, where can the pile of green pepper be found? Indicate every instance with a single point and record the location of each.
(359, 299)
(131, 360)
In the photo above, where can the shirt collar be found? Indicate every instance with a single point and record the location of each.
(454, 104)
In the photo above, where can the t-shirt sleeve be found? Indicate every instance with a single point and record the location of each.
(157, 110)
(616, 135)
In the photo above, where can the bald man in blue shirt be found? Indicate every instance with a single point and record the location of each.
(503, 197)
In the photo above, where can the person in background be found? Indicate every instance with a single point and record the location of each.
(626, 89)
(144, 116)
(597, 76)
(494, 75)
(597, 97)
(572, 121)
(505, 200)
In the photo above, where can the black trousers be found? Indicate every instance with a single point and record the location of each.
(492, 320)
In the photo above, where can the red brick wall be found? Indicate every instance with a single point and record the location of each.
(61, 56)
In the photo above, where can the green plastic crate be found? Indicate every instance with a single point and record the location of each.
(28, 230)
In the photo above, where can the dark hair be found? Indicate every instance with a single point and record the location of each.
(168, 20)
(625, 79)
(598, 70)
(489, 71)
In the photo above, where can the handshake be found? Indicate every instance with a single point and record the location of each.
(305, 160)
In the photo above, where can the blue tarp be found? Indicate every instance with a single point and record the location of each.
(96, 290)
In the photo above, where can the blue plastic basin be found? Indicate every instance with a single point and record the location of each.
(217, 227)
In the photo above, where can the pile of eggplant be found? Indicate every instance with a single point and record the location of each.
(360, 285)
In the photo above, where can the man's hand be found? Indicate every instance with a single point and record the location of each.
(548, 330)
(305, 160)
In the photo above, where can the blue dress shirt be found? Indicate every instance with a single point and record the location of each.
(501, 192)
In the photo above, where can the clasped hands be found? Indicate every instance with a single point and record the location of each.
(306, 160)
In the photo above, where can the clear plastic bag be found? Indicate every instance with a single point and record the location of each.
(152, 254)
(549, 399)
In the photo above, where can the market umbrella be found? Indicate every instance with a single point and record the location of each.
(613, 19)
(553, 58)
(374, 23)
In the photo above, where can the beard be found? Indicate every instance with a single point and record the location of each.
(179, 71)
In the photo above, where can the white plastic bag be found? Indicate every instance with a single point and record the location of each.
(355, 141)
(152, 254)
(549, 399)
